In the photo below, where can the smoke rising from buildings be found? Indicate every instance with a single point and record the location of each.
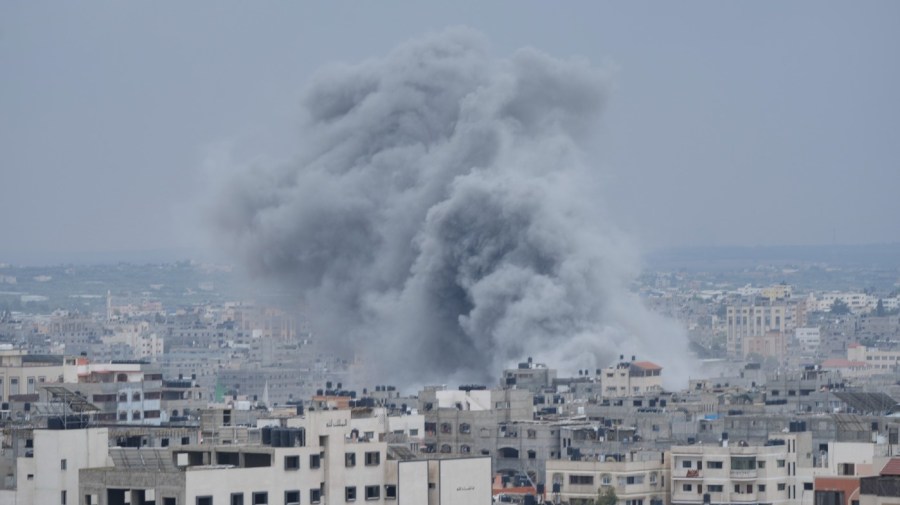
(441, 221)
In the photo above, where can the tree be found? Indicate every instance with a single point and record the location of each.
(606, 495)
(879, 309)
(839, 307)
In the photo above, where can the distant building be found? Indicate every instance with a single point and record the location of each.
(757, 319)
(631, 378)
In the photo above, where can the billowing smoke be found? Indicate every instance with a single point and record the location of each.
(440, 220)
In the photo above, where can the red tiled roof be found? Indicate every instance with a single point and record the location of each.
(646, 365)
(892, 467)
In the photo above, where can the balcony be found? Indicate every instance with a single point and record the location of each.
(691, 474)
(743, 497)
(743, 474)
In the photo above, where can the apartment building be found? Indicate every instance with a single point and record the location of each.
(323, 457)
(755, 319)
(48, 471)
(740, 473)
(637, 479)
(478, 421)
(22, 373)
(630, 378)
(534, 377)
(876, 360)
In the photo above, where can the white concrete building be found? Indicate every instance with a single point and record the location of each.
(323, 457)
(630, 378)
(741, 474)
(49, 474)
(808, 340)
(637, 481)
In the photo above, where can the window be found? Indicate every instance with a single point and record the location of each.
(315, 495)
(292, 498)
(373, 492)
(446, 428)
(314, 461)
(714, 464)
(780, 463)
(350, 493)
(62, 494)
(292, 462)
(237, 498)
(579, 480)
(414, 432)
(465, 428)
(170, 501)
(686, 464)
(781, 486)
(606, 479)
(373, 458)
(136, 397)
(714, 488)
(446, 449)
(760, 464)
(204, 500)
(761, 488)
(62, 464)
(350, 459)
(261, 498)
(465, 449)
(390, 492)
(807, 486)
(531, 433)
(686, 487)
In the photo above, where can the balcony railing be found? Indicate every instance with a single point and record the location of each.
(743, 497)
(743, 474)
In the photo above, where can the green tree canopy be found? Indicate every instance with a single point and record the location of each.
(839, 307)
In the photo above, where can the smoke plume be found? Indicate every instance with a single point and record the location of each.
(440, 220)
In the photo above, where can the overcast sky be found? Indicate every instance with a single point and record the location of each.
(730, 123)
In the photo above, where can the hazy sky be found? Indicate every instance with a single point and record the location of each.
(730, 123)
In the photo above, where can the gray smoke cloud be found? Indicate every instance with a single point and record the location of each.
(441, 222)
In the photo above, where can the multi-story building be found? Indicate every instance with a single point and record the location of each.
(807, 340)
(757, 318)
(124, 392)
(740, 473)
(640, 479)
(485, 422)
(48, 471)
(534, 377)
(23, 374)
(876, 360)
(630, 378)
(322, 457)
